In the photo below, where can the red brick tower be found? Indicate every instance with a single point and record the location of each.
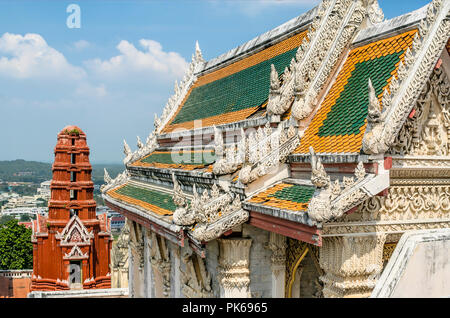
(71, 248)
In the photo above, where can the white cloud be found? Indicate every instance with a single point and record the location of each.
(151, 59)
(81, 45)
(88, 90)
(30, 56)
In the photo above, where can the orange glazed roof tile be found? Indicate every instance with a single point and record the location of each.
(340, 123)
(183, 159)
(234, 92)
(285, 196)
(155, 201)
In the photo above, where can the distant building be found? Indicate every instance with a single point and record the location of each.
(31, 212)
(117, 222)
(71, 247)
(44, 190)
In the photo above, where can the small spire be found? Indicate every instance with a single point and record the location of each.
(126, 148)
(139, 143)
(198, 53)
(106, 176)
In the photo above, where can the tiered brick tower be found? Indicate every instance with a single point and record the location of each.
(71, 248)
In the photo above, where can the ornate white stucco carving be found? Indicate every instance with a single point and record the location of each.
(119, 253)
(419, 62)
(280, 97)
(74, 233)
(142, 149)
(181, 89)
(195, 283)
(230, 158)
(277, 244)
(418, 206)
(374, 12)
(233, 269)
(352, 264)
(76, 253)
(121, 178)
(266, 149)
(211, 215)
(319, 177)
(334, 199)
(159, 258)
(136, 243)
(330, 32)
(428, 131)
(183, 215)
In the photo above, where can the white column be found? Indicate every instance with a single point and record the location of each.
(277, 244)
(130, 273)
(177, 276)
(351, 264)
(148, 290)
(233, 269)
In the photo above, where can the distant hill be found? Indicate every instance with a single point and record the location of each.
(33, 171)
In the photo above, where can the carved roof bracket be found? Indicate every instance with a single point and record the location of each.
(333, 201)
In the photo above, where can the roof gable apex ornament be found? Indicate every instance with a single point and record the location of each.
(374, 11)
(140, 145)
(198, 57)
(106, 177)
(127, 151)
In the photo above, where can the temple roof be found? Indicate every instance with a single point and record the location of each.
(178, 159)
(156, 201)
(340, 123)
(335, 84)
(236, 91)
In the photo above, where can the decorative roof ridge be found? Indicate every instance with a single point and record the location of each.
(246, 123)
(260, 42)
(178, 172)
(413, 73)
(389, 27)
(330, 33)
(203, 147)
(330, 158)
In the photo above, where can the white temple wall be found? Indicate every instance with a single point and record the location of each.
(260, 262)
(212, 255)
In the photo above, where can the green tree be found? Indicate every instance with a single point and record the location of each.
(16, 249)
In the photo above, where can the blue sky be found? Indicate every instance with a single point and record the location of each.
(114, 73)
